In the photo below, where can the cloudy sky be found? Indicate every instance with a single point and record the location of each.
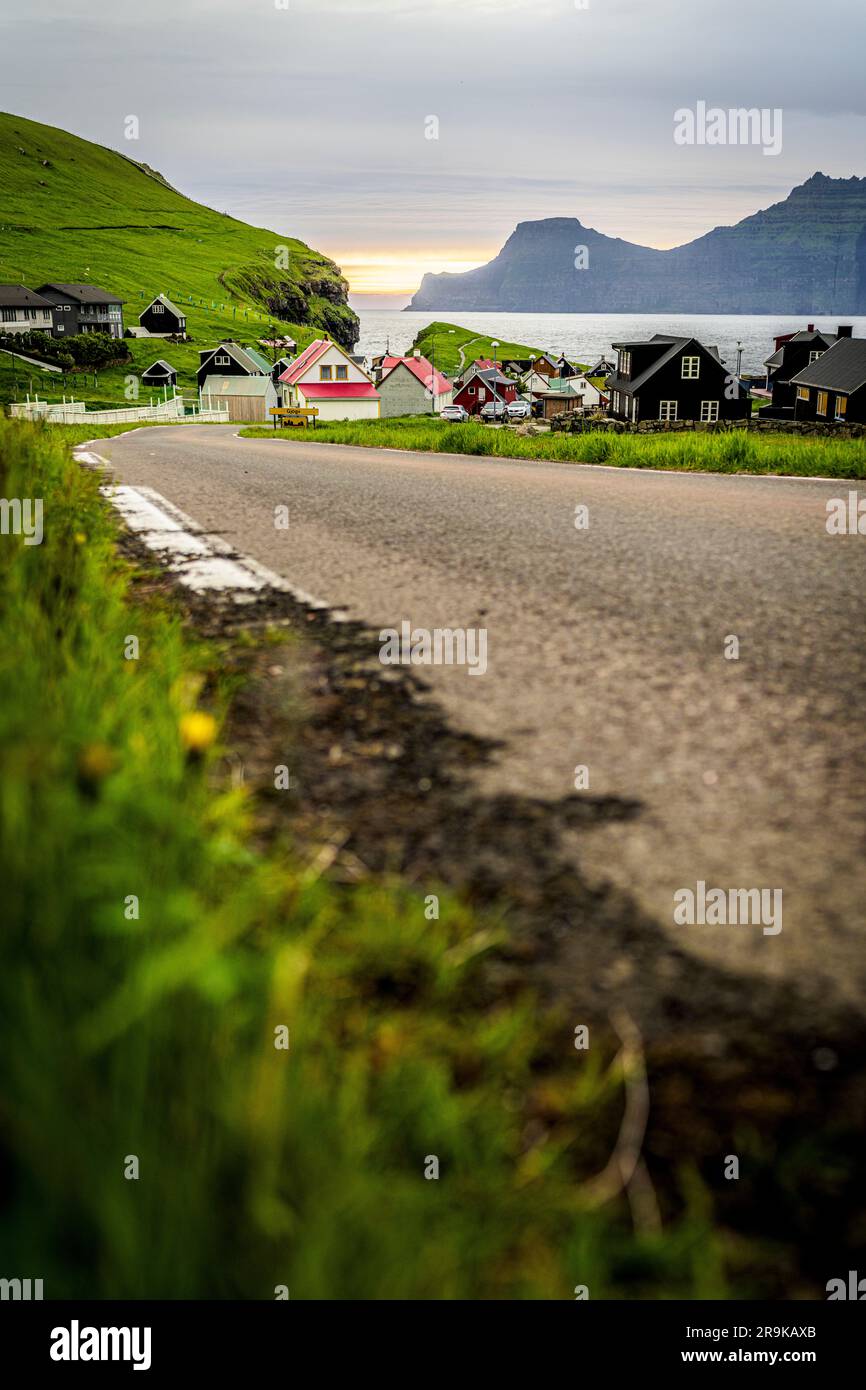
(312, 117)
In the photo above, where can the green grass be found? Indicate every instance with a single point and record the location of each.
(154, 1036)
(730, 452)
(446, 339)
(75, 211)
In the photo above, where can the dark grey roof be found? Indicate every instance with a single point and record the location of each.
(841, 368)
(250, 361)
(674, 345)
(160, 367)
(19, 297)
(163, 299)
(85, 294)
(804, 335)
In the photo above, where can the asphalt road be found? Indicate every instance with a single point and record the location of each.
(606, 648)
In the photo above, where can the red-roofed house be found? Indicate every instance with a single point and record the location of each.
(411, 386)
(324, 376)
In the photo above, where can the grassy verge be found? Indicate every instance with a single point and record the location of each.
(151, 955)
(734, 452)
(446, 339)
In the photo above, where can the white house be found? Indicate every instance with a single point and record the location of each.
(327, 378)
(23, 311)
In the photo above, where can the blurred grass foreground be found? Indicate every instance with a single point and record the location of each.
(207, 1092)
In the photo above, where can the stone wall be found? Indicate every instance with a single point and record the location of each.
(578, 424)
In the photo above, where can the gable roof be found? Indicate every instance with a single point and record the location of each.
(252, 363)
(674, 346)
(18, 297)
(85, 294)
(310, 356)
(160, 367)
(841, 368)
(429, 376)
(162, 299)
(805, 335)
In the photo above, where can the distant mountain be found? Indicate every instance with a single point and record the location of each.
(805, 255)
(75, 211)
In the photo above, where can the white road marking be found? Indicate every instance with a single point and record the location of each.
(202, 562)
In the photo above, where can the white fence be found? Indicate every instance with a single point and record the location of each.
(76, 413)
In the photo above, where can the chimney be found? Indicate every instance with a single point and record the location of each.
(811, 328)
(417, 352)
(845, 330)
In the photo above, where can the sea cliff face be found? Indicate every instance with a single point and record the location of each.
(805, 255)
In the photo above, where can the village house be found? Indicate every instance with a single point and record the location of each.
(793, 352)
(83, 309)
(326, 378)
(604, 367)
(482, 386)
(161, 319)
(670, 379)
(571, 393)
(248, 398)
(24, 311)
(230, 359)
(412, 386)
(832, 388)
(160, 373)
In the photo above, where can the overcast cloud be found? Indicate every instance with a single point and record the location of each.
(311, 119)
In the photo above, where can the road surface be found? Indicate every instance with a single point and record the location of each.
(606, 649)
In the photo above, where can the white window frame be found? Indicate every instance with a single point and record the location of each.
(843, 414)
(221, 359)
(825, 395)
(624, 363)
(709, 412)
(813, 356)
(158, 308)
(691, 368)
(672, 406)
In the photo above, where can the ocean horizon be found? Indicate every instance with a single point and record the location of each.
(586, 337)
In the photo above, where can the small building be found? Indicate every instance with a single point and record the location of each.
(669, 379)
(230, 359)
(324, 376)
(162, 319)
(412, 386)
(832, 388)
(571, 393)
(160, 373)
(24, 311)
(83, 309)
(482, 386)
(249, 398)
(793, 352)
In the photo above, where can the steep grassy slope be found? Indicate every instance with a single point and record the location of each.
(74, 211)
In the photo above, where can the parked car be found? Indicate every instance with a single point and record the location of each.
(454, 412)
(493, 410)
(519, 410)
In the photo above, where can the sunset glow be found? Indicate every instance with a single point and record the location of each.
(396, 273)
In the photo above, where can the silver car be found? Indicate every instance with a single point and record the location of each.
(454, 412)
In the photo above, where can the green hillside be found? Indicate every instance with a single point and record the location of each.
(75, 211)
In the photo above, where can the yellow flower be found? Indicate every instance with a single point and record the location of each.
(197, 731)
(80, 538)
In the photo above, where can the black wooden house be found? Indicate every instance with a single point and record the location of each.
(230, 359)
(670, 379)
(793, 352)
(162, 318)
(83, 309)
(832, 388)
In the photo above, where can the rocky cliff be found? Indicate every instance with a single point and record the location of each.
(806, 254)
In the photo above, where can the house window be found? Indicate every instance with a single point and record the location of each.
(668, 410)
(821, 406)
(841, 407)
(802, 393)
(222, 359)
(9, 315)
(158, 308)
(709, 411)
(691, 368)
(813, 356)
(472, 390)
(625, 364)
(342, 373)
(325, 373)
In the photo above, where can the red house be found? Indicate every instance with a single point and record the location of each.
(483, 386)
